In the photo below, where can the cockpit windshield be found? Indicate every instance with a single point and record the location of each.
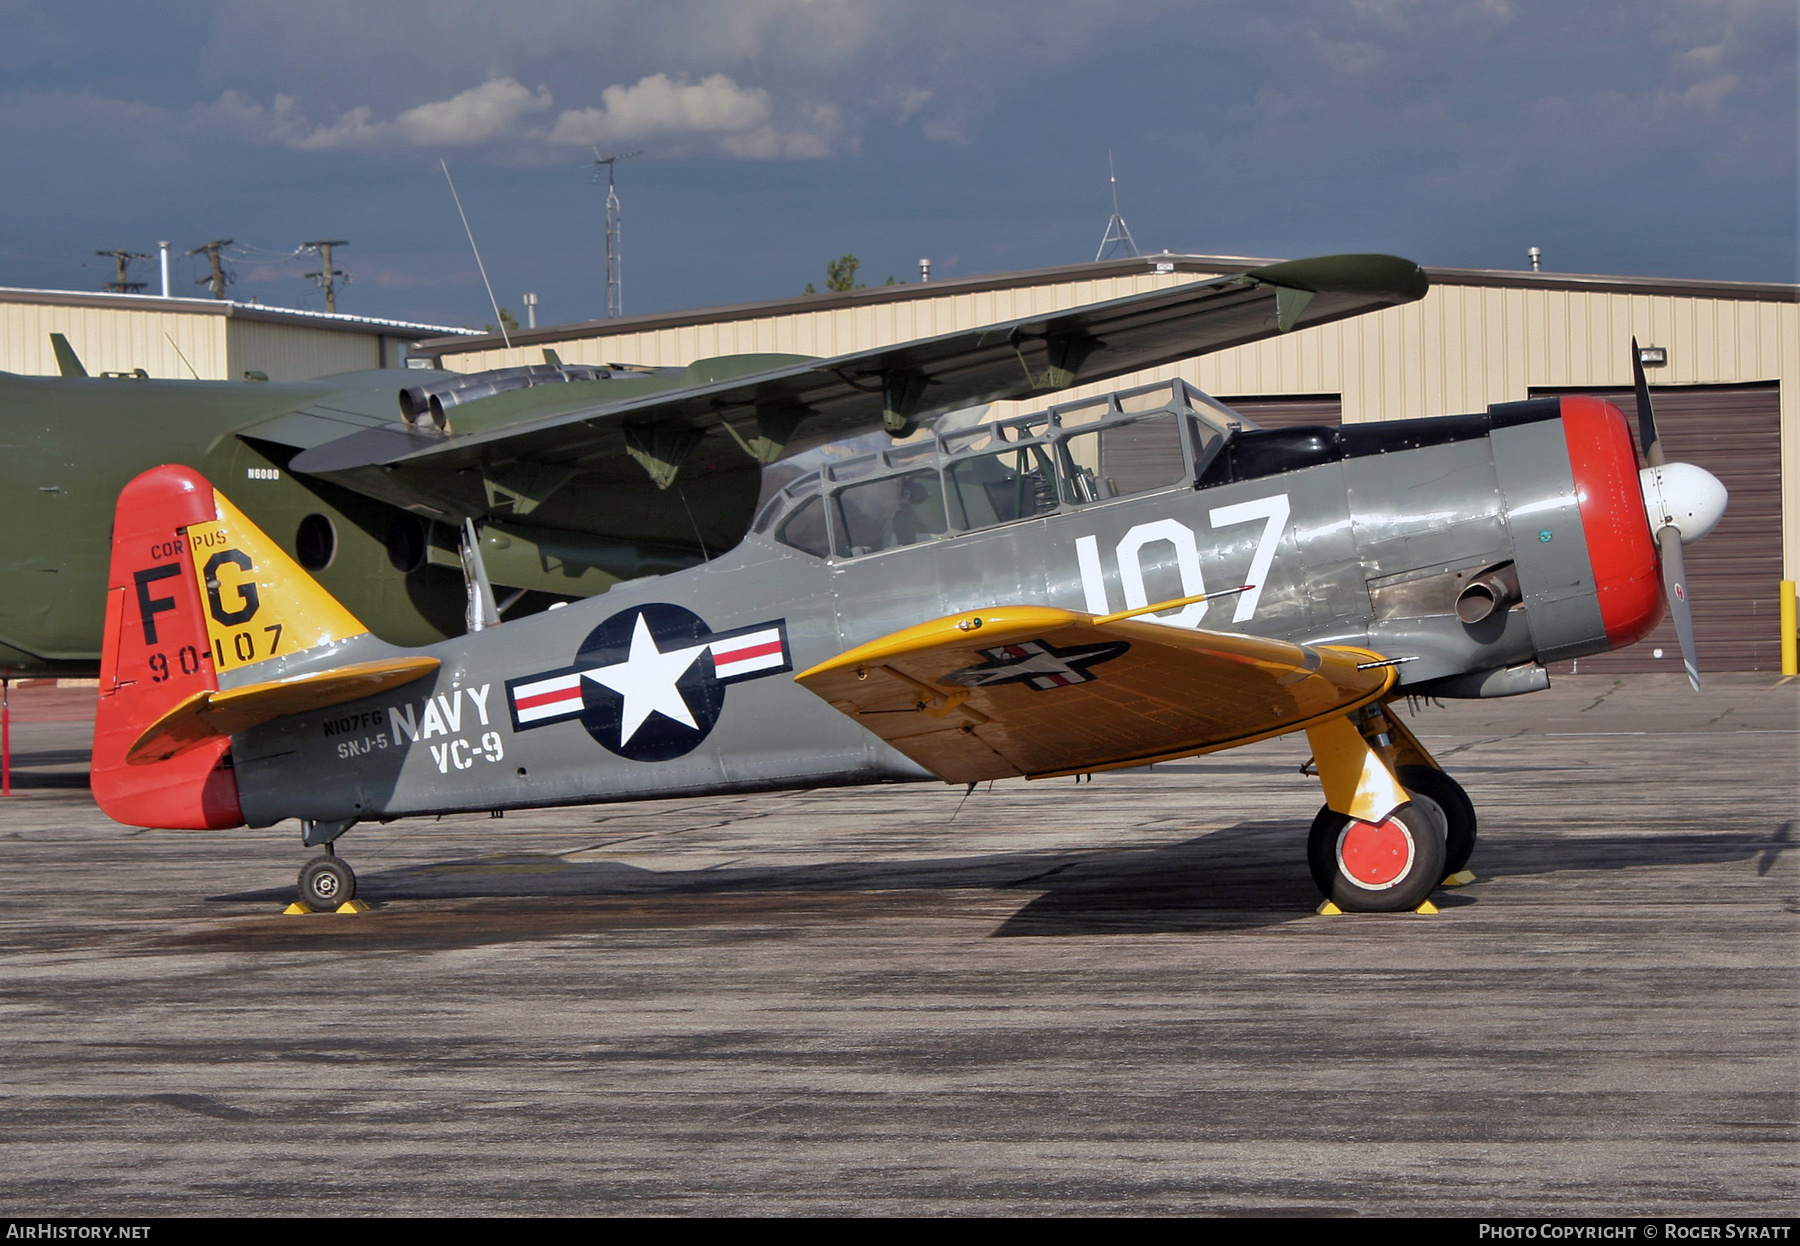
(950, 480)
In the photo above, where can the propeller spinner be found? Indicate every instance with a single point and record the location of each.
(1683, 503)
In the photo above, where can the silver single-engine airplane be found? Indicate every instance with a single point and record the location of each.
(1099, 584)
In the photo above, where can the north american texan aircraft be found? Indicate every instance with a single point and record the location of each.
(1093, 585)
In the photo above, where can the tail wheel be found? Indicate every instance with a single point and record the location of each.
(1444, 798)
(1385, 867)
(326, 882)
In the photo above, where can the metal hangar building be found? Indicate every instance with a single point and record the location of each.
(199, 339)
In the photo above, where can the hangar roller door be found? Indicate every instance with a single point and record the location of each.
(1136, 455)
(1734, 575)
(1288, 410)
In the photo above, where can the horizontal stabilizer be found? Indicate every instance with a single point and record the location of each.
(208, 715)
(1034, 691)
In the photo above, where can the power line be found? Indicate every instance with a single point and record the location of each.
(247, 249)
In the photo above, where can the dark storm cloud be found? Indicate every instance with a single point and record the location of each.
(1655, 136)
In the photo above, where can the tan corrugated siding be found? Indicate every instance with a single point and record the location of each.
(184, 339)
(109, 340)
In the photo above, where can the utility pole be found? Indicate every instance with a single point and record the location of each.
(327, 274)
(219, 278)
(123, 259)
(615, 282)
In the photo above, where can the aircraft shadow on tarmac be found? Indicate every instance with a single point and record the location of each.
(1244, 876)
(26, 774)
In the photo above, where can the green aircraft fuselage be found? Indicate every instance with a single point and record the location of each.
(69, 445)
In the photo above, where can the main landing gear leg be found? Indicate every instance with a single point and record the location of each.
(327, 884)
(1372, 849)
(1438, 794)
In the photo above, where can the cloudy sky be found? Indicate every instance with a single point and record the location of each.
(1651, 137)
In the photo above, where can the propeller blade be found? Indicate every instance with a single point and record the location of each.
(1650, 443)
(1674, 575)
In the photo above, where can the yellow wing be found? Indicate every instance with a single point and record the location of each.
(1034, 691)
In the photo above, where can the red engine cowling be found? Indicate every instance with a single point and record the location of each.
(1620, 546)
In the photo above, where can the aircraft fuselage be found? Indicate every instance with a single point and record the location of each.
(1366, 536)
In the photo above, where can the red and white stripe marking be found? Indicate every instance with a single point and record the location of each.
(748, 654)
(547, 698)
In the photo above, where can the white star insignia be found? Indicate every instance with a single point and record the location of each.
(647, 679)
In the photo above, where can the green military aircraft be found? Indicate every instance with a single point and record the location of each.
(566, 480)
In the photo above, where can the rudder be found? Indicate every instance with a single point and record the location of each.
(155, 654)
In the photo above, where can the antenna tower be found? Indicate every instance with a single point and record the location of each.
(1117, 234)
(327, 274)
(123, 259)
(219, 278)
(615, 285)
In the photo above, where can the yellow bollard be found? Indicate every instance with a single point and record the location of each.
(1790, 665)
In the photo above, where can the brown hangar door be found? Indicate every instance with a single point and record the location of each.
(1734, 575)
(1288, 410)
(1135, 455)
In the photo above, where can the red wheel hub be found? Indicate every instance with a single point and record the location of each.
(1374, 855)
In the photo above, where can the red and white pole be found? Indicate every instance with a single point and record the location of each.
(5, 733)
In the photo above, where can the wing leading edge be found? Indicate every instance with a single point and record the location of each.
(1033, 691)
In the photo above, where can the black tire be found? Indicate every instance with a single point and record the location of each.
(1422, 866)
(325, 883)
(1424, 784)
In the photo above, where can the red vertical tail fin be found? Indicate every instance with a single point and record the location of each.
(156, 654)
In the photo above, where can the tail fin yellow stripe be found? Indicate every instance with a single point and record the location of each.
(260, 604)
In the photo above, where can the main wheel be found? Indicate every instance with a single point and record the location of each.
(1443, 797)
(1385, 867)
(326, 882)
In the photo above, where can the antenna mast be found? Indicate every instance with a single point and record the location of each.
(615, 284)
(492, 301)
(1117, 233)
